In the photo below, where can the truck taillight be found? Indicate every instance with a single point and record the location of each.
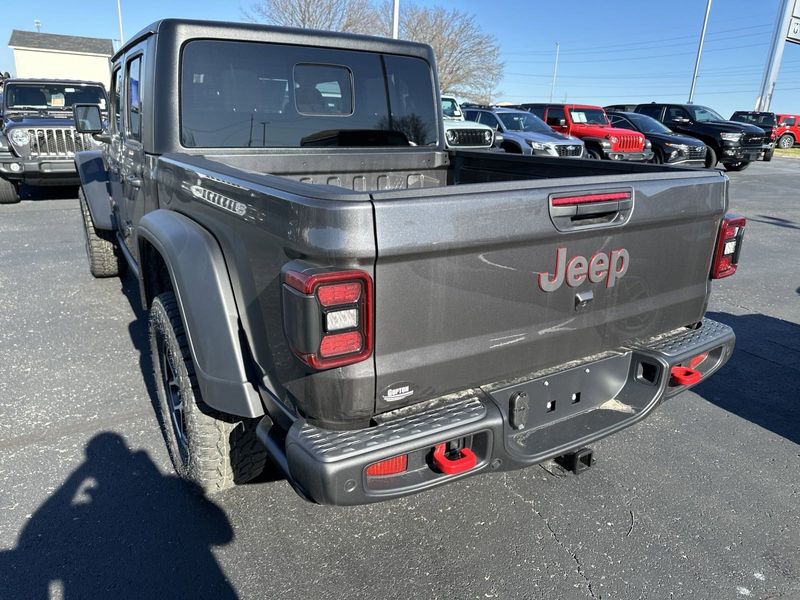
(729, 245)
(328, 316)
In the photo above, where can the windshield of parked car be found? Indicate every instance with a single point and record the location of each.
(703, 113)
(755, 118)
(251, 94)
(588, 116)
(647, 124)
(523, 121)
(450, 109)
(51, 96)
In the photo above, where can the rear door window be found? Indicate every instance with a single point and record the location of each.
(554, 116)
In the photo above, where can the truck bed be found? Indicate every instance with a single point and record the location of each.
(457, 251)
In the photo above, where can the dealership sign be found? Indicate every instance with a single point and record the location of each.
(793, 35)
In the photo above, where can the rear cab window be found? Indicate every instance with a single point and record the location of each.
(264, 95)
(133, 94)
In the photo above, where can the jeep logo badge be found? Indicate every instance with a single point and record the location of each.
(601, 266)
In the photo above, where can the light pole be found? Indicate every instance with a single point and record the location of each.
(699, 51)
(396, 19)
(38, 24)
(555, 71)
(119, 20)
(775, 55)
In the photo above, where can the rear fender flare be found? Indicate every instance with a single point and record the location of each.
(202, 287)
(94, 181)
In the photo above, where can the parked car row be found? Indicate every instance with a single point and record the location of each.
(661, 133)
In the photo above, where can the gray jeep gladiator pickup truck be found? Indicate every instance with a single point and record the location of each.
(329, 287)
(38, 140)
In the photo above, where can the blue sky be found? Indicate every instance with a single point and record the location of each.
(611, 52)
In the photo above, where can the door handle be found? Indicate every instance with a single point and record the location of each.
(134, 181)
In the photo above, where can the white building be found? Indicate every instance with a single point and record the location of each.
(52, 56)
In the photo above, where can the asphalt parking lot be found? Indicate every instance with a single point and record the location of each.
(701, 500)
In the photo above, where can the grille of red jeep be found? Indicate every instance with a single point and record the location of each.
(630, 143)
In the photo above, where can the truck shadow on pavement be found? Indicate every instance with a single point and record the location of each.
(760, 383)
(118, 528)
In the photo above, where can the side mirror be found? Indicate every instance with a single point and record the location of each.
(562, 122)
(680, 120)
(498, 138)
(88, 118)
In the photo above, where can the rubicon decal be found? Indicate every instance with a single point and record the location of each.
(600, 267)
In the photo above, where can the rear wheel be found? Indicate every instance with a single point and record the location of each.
(105, 259)
(736, 166)
(9, 192)
(785, 141)
(207, 447)
(711, 158)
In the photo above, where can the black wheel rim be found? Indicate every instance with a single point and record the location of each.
(174, 398)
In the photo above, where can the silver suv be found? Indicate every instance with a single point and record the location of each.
(525, 133)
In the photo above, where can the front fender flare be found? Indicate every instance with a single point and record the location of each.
(202, 288)
(94, 181)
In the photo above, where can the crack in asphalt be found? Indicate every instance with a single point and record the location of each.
(556, 539)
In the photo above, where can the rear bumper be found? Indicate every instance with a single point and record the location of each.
(565, 410)
(39, 172)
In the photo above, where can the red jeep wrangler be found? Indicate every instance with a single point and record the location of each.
(591, 124)
(788, 131)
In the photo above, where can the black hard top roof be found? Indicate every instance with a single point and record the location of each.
(185, 29)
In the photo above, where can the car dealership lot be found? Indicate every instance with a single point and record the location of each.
(701, 500)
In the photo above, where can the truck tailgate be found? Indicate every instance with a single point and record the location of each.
(467, 287)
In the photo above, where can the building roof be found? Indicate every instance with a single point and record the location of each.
(64, 43)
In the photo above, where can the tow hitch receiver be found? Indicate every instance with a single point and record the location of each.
(576, 462)
(465, 461)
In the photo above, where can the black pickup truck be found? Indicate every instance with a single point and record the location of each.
(38, 140)
(329, 286)
(733, 144)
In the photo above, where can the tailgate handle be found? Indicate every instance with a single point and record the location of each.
(594, 209)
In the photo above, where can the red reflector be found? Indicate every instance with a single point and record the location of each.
(390, 466)
(340, 343)
(339, 293)
(587, 198)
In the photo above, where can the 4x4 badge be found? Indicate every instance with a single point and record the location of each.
(601, 266)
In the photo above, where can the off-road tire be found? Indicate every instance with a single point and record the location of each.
(769, 154)
(711, 158)
(658, 157)
(736, 166)
(105, 258)
(9, 193)
(593, 154)
(785, 141)
(219, 450)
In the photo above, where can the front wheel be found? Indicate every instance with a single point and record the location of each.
(207, 447)
(593, 154)
(9, 192)
(768, 154)
(105, 258)
(785, 141)
(658, 157)
(736, 166)
(711, 158)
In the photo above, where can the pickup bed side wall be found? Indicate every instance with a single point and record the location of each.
(202, 287)
(94, 181)
(261, 223)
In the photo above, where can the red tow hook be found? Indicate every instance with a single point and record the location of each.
(685, 375)
(464, 462)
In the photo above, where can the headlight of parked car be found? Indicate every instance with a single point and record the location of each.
(613, 139)
(487, 136)
(20, 137)
(731, 137)
(538, 145)
(451, 135)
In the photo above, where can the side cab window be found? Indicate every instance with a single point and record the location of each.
(133, 98)
(651, 111)
(116, 99)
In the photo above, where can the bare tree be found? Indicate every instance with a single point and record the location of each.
(356, 16)
(467, 58)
